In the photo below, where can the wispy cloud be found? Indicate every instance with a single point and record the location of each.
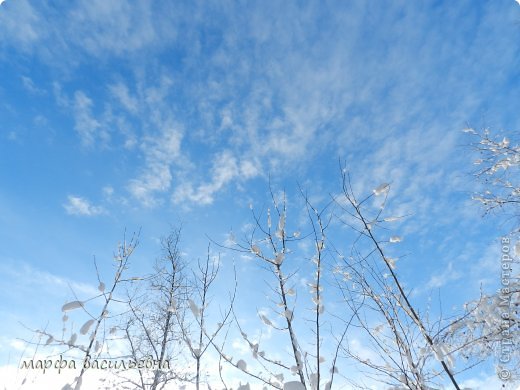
(156, 176)
(225, 169)
(122, 94)
(22, 25)
(445, 277)
(76, 205)
(275, 94)
(119, 28)
(29, 85)
(96, 28)
(23, 279)
(88, 128)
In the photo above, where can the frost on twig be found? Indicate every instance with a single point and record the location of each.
(92, 339)
(497, 170)
(404, 343)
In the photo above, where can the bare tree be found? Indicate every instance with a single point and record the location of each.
(201, 334)
(153, 325)
(276, 250)
(170, 316)
(373, 291)
(490, 326)
(95, 327)
(497, 169)
(160, 324)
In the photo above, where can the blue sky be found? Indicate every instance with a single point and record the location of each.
(139, 115)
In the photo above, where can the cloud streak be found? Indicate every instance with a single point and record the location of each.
(272, 90)
(79, 206)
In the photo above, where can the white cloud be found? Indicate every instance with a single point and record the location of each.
(225, 168)
(488, 382)
(248, 169)
(18, 345)
(118, 28)
(30, 278)
(29, 85)
(108, 191)
(484, 268)
(446, 276)
(61, 99)
(96, 27)
(88, 128)
(156, 178)
(20, 24)
(160, 153)
(315, 95)
(121, 93)
(80, 206)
